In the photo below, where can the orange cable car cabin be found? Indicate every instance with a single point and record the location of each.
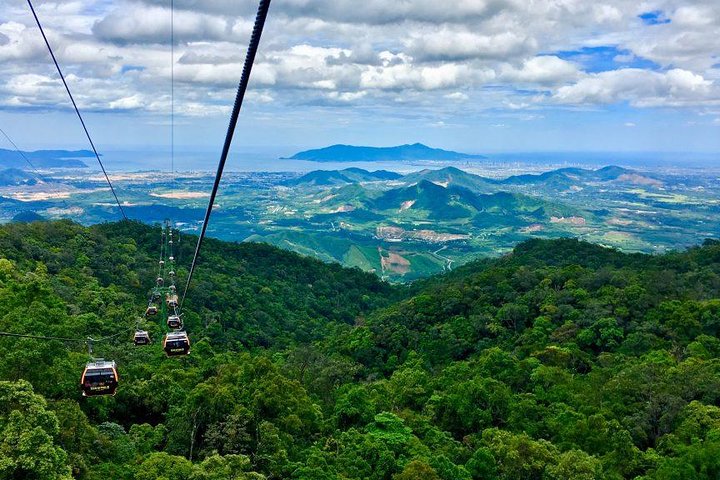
(176, 344)
(100, 377)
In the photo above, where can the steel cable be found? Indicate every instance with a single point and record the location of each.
(77, 111)
(242, 88)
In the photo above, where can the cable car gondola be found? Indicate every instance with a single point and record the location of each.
(174, 322)
(99, 378)
(172, 301)
(160, 281)
(141, 338)
(176, 344)
(151, 310)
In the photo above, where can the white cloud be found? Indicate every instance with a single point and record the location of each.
(457, 96)
(640, 88)
(143, 24)
(416, 54)
(452, 45)
(546, 69)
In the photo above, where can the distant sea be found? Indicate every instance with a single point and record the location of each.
(268, 160)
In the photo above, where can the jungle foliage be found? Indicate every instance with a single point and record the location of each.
(562, 360)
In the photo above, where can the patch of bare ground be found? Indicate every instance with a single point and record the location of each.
(397, 234)
(394, 262)
(343, 209)
(535, 227)
(637, 179)
(407, 204)
(621, 222)
(181, 195)
(568, 220)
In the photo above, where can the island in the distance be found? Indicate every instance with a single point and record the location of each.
(351, 153)
(44, 158)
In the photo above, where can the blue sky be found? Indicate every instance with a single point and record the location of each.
(487, 76)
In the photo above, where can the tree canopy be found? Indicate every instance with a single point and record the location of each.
(562, 360)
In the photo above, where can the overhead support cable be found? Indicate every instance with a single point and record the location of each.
(35, 170)
(22, 154)
(42, 337)
(62, 339)
(77, 111)
(242, 88)
(172, 93)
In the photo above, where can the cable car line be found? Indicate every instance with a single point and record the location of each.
(42, 337)
(242, 88)
(100, 377)
(63, 339)
(22, 154)
(36, 171)
(77, 111)
(172, 93)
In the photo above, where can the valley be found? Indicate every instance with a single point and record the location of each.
(401, 227)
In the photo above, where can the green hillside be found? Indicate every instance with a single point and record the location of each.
(409, 232)
(451, 176)
(341, 177)
(562, 360)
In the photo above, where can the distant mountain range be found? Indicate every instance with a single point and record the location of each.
(406, 226)
(339, 177)
(15, 176)
(562, 179)
(45, 158)
(350, 153)
(430, 201)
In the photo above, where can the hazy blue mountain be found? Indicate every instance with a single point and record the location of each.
(15, 176)
(28, 216)
(566, 177)
(341, 177)
(560, 179)
(45, 158)
(365, 176)
(350, 153)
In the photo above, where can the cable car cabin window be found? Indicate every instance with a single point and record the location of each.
(99, 379)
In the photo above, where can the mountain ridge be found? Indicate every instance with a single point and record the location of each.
(44, 158)
(339, 177)
(353, 153)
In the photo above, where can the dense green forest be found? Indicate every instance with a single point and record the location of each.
(562, 360)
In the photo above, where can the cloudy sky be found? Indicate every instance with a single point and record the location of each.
(476, 75)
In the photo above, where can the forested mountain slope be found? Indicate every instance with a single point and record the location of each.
(562, 360)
